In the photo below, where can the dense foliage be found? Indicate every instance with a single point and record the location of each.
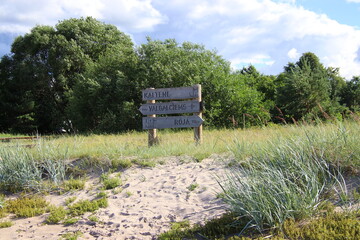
(86, 75)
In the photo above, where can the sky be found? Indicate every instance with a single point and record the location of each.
(265, 33)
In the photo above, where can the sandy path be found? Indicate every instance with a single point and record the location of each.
(150, 201)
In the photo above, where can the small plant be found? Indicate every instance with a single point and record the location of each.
(117, 190)
(101, 194)
(128, 194)
(2, 200)
(145, 163)
(57, 214)
(94, 218)
(109, 182)
(5, 224)
(2, 205)
(70, 221)
(83, 206)
(192, 186)
(74, 184)
(27, 206)
(72, 236)
(121, 163)
(2, 213)
(70, 200)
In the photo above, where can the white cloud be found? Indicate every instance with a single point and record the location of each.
(293, 54)
(21, 15)
(243, 30)
(266, 33)
(354, 1)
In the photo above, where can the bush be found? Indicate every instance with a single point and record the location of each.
(74, 184)
(57, 214)
(84, 206)
(27, 206)
(5, 224)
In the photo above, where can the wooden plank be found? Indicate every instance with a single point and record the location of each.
(198, 130)
(170, 93)
(171, 122)
(152, 133)
(170, 107)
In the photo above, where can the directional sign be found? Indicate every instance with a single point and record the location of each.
(171, 122)
(170, 93)
(170, 107)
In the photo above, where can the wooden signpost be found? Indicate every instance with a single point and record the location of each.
(151, 108)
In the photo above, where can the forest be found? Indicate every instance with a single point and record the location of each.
(85, 76)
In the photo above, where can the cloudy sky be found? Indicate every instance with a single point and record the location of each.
(265, 33)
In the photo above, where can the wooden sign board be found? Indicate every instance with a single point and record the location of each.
(170, 107)
(171, 122)
(151, 108)
(170, 93)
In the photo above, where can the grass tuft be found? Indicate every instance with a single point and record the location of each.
(287, 178)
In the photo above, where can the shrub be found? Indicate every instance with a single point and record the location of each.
(109, 182)
(57, 214)
(5, 224)
(27, 206)
(74, 184)
(84, 206)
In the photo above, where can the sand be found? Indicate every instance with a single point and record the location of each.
(149, 201)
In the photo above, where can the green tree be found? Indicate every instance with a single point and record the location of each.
(16, 102)
(103, 98)
(48, 61)
(226, 96)
(350, 95)
(305, 89)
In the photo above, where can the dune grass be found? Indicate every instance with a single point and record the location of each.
(25, 168)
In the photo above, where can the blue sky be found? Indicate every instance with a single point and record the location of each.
(265, 33)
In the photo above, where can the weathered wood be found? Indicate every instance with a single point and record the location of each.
(170, 93)
(171, 122)
(170, 107)
(152, 134)
(198, 130)
(8, 139)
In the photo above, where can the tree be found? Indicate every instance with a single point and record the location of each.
(48, 60)
(226, 95)
(350, 95)
(305, 90)
(103, 96)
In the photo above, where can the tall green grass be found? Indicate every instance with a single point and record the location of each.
(287, 177)
(23, 167)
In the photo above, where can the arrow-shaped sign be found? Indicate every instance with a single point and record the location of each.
(171, 122)
(170, 107)
(170, 93)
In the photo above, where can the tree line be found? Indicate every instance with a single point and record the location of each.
(86, 76)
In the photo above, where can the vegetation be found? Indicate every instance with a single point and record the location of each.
(329, 226)
(110, 182)
(6, 224)
(72, 235)
(27, 206)
(74, 184)
(57, 214)
(86, 76)
(83, 206)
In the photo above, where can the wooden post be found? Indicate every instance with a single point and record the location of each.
(152, 135)
(198, 130)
